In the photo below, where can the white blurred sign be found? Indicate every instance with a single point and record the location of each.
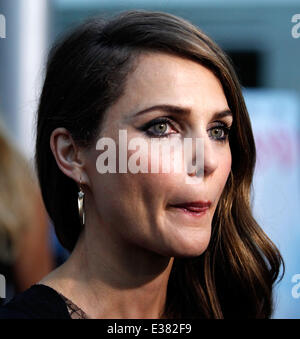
(2, 26)
(275, 118)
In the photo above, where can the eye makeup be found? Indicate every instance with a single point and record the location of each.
(161, 121)
(155, 128)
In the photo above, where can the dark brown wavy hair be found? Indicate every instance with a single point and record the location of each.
(86, 73)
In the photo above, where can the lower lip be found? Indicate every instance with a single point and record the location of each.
(198, 213)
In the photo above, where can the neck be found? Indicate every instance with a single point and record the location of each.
(108, 279)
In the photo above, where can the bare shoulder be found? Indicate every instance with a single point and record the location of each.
(57, 280)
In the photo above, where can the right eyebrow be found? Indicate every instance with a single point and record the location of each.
(166, 108)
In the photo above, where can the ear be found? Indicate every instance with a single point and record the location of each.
(68, 155)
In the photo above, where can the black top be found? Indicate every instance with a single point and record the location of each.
(38, 302)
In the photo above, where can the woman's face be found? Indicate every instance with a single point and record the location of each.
(135, 209)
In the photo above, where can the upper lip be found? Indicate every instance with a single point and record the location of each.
(194, 204)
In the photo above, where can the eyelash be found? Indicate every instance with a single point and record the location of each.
(225, 128)
(165, 120)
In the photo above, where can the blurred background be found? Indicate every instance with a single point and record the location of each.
(263, 40)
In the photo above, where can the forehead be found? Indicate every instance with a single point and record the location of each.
(160, 78)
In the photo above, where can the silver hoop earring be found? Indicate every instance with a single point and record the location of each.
(80, 205)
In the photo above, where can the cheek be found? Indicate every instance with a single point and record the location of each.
(157, 156)
(158, 176)
(224, 170)
(227, 163)
(154, 159)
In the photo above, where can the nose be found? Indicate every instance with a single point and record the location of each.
(208, 162)
(210, 158)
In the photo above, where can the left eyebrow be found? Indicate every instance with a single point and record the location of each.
(222, 114)
(182, 111)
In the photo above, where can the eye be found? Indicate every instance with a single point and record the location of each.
(220, 132)
(159, 127)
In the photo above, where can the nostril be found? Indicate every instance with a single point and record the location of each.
(197, 173)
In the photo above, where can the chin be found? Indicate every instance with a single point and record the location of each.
(187, 248)
(190, 253)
